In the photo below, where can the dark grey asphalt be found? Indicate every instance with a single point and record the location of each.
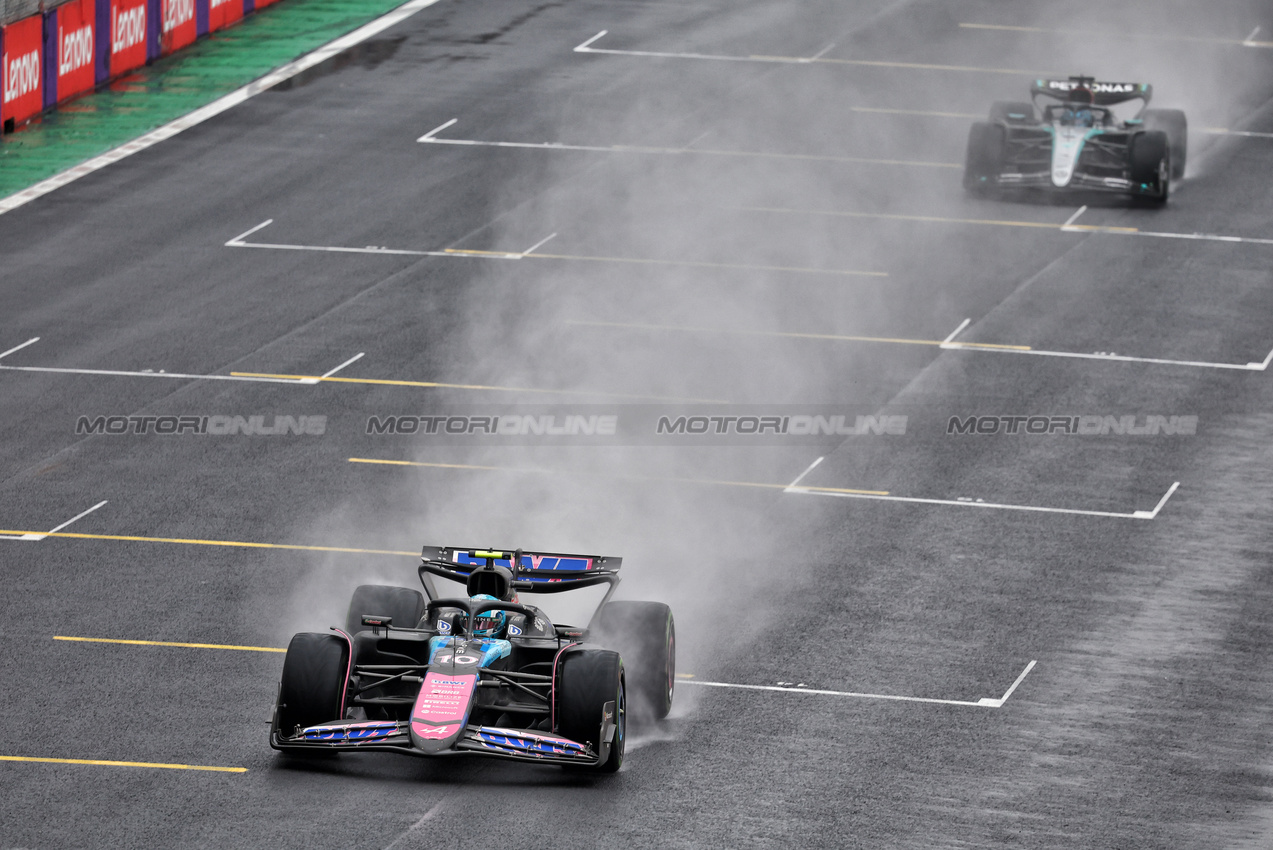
(1144, 723)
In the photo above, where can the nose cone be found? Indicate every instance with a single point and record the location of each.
(1067, 144)
(441, 709)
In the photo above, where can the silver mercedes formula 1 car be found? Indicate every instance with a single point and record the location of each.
(1068, 138)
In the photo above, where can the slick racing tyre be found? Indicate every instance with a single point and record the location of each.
(1173, 123)
(1012, 113)
(985, 155)
(645, 635)
(404, 605)
(312, 689)
(586, 681)
(1150, 166)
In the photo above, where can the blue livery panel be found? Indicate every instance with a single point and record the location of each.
(565, 563)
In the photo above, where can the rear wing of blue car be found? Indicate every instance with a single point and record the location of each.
(534, 572)
(1088, 90)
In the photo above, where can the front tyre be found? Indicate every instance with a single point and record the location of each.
(1150, 166)
(590, 684)
(984, 159)
(312, 689)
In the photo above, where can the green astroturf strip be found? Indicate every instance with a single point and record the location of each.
(176, 85)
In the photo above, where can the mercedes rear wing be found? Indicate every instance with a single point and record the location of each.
(1088, 90)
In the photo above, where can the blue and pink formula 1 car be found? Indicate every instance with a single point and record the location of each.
(481, 674)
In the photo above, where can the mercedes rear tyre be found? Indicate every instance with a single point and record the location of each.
(590, 690)
(1173, 123)
(985, 155)
(644, 633)
(404, 605)
(1012, 113)
(1150, 166)
(312, 689)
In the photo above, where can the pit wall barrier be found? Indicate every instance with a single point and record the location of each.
(53, 56)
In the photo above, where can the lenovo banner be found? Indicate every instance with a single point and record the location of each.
(222, 13)
(21, 74)
(127, 35)
(177, 25)
(71, 54)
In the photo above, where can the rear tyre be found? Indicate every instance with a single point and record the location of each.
(1173, 123)
(587, 680)
(644, 633)
(312, 689)
(1012, 112)
(985, 155)
(404, 605)
(1150, 166)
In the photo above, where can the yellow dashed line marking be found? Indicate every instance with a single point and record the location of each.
(106, 763)
(791, 335)
(171, 643)
(198, 542)
(924, 112)
(914, 66)
(933, 219)
(685, 263)
(398, 383)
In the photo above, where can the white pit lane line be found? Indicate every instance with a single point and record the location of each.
(30, 341)
(55, 529)
(818, 58)
(1064, 227)
(984, 702)
(328, 374)
(431, 137)
(183, 376)
(215, 108)
(529, 253)
(1124, 35)
(950, 344)
(979, 503)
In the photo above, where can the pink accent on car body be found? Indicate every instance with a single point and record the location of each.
(434, 733)
(442, 705)
(552, 687)
(349, 666)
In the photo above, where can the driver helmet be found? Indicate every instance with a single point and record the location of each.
(1080, 109)
(1079, 116)
(489, 624)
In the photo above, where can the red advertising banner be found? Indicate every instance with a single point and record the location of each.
(22, 69)
(222, 13)
(127, 35)
(76, 36)
(177, 26)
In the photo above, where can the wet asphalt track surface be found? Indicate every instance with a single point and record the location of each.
(1145, 720)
